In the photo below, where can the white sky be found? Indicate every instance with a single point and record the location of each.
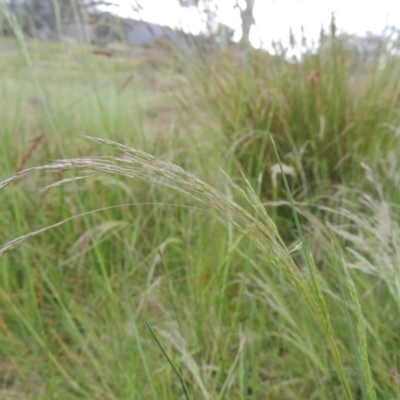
(274, 19)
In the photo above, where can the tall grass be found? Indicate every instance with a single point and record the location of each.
(239, 312)
(135, 164)
(327, 109)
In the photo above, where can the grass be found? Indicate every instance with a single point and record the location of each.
(143, 281)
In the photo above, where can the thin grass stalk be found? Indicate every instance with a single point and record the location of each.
(229, 376)
(362, 339)
(57, 14)
(27, 58)
(353, 336)
(178, 374)
(322, 313)
(133, 324)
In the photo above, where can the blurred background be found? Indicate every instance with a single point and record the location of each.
(259, 22)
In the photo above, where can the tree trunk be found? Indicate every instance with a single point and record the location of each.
(246, 15)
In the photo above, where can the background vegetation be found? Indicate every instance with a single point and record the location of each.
(241, 312)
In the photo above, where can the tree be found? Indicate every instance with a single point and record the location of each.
(246, 15)
(210, 9)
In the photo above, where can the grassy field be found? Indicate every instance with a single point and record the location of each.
(186, 267)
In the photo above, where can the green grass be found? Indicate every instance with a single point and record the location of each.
(164, 277)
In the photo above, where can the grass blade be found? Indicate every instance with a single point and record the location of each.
(178, 374)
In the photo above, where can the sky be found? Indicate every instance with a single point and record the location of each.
(274, 19)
